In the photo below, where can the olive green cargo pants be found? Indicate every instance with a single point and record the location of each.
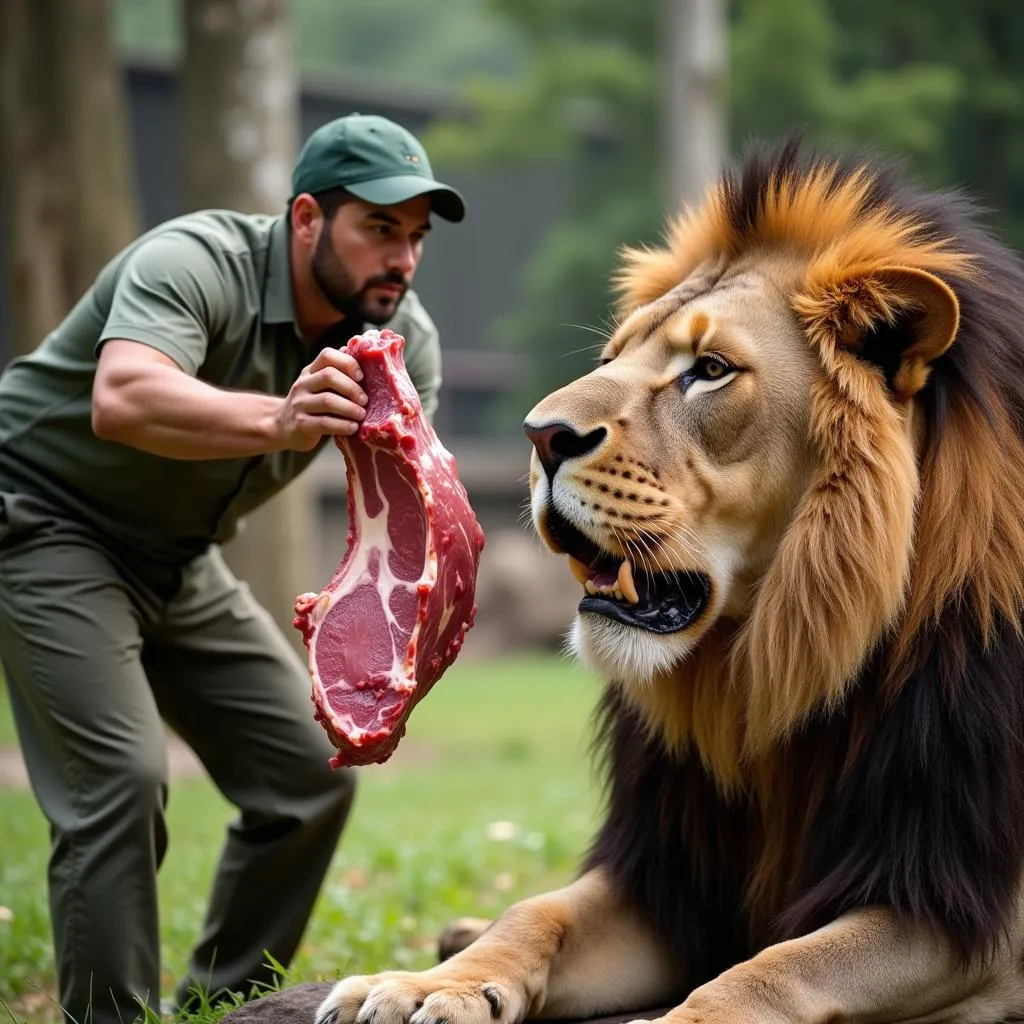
(96, 652)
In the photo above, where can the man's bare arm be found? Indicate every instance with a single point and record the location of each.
(142, 398)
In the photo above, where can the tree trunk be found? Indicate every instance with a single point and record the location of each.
(31, 159)
(694, 108)
(65, 154)
(105, 216)
(241, 139)
(240, 105)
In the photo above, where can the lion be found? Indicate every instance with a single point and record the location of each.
(793, 494)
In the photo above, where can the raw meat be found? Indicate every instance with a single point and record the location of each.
(394, 615)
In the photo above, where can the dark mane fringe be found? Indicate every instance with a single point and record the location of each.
(662, 841)
(927, 815)
(910, 794)
(918, 806)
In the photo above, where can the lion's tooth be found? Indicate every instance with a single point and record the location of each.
(579, 570)
(627, 584)
(590, 587)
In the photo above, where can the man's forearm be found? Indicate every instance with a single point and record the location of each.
(170, 413)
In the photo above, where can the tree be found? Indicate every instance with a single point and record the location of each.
(240, 117)
(66, 156)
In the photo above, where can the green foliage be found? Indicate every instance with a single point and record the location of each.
(780, 67)
(905, 111)
(933, 83)
(586, 102)
(570, 92)
(408, 42)
(786, 58)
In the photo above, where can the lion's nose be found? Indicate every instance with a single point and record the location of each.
(556, 442)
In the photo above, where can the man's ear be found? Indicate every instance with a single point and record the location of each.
(305, 216)
(899, 319)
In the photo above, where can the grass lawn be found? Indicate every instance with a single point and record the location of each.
(488, 799)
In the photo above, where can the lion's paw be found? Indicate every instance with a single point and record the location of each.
(401, 997)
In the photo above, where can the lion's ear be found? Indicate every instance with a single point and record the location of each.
(900, 319)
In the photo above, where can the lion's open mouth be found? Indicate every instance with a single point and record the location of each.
(662, 602)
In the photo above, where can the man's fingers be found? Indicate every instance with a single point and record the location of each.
(326, 400)
(327, 403)
(332, 379)
(318, 426)
(333, 357)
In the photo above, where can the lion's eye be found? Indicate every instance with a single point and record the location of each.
(711, 368)
(707, 368)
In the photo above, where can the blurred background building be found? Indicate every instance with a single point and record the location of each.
(572, 126)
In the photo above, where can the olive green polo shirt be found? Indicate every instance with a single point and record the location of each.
(212, 290)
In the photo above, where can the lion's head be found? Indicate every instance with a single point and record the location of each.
(802, 443)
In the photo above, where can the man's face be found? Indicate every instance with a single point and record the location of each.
(365, 258)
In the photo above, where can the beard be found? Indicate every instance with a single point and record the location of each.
(343, 292)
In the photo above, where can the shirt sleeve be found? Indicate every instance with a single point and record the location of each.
(172, 295)
(422, 351)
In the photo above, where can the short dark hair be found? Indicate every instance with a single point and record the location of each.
(330, 201)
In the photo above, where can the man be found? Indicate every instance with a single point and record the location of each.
(200, 373)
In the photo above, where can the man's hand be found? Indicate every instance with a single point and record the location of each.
(326, 399)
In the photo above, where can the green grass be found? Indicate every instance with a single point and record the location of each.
(7, 735)
(497, 741)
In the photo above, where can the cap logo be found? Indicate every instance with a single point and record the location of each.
(412, 158)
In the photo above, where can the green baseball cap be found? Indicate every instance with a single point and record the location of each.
(374, 159)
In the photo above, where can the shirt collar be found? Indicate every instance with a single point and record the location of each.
(278, 305)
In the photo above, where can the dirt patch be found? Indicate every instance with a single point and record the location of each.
(184, 764)
(36, 1008)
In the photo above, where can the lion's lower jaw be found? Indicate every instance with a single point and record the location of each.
(629, 655)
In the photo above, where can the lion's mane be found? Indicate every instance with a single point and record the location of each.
(860, 739)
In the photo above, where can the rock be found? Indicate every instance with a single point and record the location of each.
(298, 1005)
(295, 1005)
(455, 937)
(526, 596)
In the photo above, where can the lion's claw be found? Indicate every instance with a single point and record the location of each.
(405, 998)
(494, 998)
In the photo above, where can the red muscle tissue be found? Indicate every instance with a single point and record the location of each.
(394, 615)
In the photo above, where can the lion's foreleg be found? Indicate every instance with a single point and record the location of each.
(607, 960)
(574, 952)
(861, 969)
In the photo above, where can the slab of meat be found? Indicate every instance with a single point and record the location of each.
(394, 615)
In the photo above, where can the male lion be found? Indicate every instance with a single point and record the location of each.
(794, 493)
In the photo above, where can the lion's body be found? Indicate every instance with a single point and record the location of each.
(805, 446)
(919, 808)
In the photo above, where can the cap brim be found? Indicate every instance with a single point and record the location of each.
(445, 200)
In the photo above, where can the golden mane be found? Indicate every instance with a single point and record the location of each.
(883, 541)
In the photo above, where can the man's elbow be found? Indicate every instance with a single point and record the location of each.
(112, 415)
